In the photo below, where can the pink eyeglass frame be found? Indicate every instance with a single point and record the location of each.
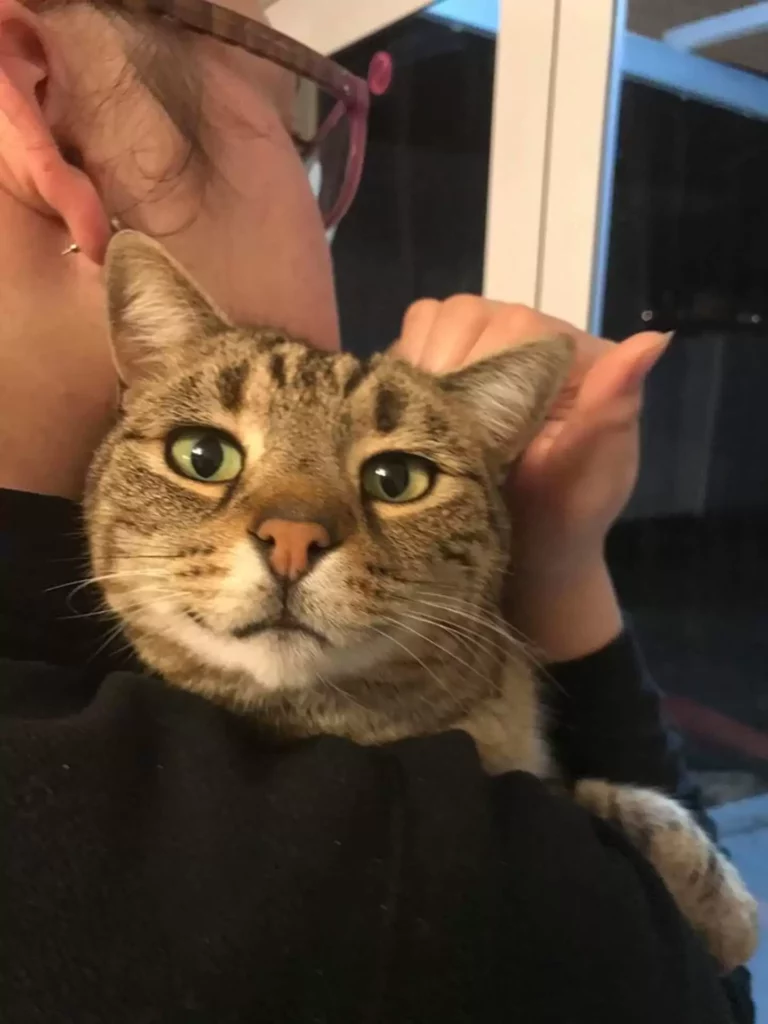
(351, 92)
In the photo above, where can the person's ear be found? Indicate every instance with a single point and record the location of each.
(35, 162)
(509, 394)
(157, 314)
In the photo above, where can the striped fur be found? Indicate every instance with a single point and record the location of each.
(404, 634)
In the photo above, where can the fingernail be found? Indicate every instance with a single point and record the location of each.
(647, 361)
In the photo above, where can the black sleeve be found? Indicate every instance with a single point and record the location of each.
(607, 722)
(162, 861)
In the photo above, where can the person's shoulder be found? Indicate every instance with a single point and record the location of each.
(83, 716)
(487, 893)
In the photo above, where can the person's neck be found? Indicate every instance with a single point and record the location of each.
(57, 380)
(49, 448)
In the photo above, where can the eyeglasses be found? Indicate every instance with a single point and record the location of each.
(335, 151)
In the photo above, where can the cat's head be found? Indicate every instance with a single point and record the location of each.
(272, 514)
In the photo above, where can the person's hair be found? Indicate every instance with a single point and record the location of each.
(159, 59)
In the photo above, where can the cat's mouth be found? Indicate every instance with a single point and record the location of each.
(286, 623)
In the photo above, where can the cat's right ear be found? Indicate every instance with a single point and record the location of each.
(509, 394)
(155, 309)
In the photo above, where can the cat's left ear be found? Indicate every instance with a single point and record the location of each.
(510, 393)
(155, 309)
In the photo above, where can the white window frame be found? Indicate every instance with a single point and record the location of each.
(582, 134)
(571, 137)
(532, 225)
(582, 146)
(524, 60)
(520, 151)
(550, 148)
(560, 65)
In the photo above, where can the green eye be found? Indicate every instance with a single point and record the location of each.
(205, 455)
(397, 477)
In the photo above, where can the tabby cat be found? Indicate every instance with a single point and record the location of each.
(321, 541)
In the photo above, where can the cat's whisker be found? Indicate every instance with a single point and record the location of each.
(450, 654)
(468, 610)
(470, 640)
(411, 654)
(127, 556)
(124, 648)
(489, 607)
(450, 592)
(152, 597)
(463, 704)
(495, 624)
(343, 693)
(129, 603)
(131, 594)
(449, 624)
(112, 634)
(137, 607)
(518, 642)
(100, 613)
(486, 614)
(449, 586)
(90, 581)
(461, 628)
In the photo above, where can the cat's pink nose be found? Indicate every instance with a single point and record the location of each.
(293, 547)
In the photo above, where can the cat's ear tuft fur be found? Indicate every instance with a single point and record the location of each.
(154, 307)
(510, 393)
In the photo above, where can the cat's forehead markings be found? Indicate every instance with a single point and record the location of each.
(436, 425)
(231, 383)
(309, 369)
(358, 373)
(277, 369)
(190, 388)
(390, 405)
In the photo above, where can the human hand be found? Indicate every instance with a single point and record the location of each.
(577, 475)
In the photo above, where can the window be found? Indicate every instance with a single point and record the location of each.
(417, 227)
(678, 243)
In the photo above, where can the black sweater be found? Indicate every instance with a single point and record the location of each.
(161, 861)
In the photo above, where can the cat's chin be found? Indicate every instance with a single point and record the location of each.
(282, 659)
(274, 659)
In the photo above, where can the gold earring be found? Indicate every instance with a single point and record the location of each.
(114, 223)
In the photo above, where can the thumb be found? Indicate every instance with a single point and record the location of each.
(608, 403)
(621, 372)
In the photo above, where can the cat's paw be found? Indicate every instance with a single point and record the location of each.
(706, 887)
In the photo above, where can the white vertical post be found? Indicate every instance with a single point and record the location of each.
(519, 148)
(584, 115)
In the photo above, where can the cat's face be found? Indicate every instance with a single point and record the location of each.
(276, 513)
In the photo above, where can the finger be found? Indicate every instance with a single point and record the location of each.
(605, 417)
(603, 421)
(518, 324)
(497, 326)
(415, 331)
(459, 323)
(565, 458)
(622, 370)
(608, 403)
